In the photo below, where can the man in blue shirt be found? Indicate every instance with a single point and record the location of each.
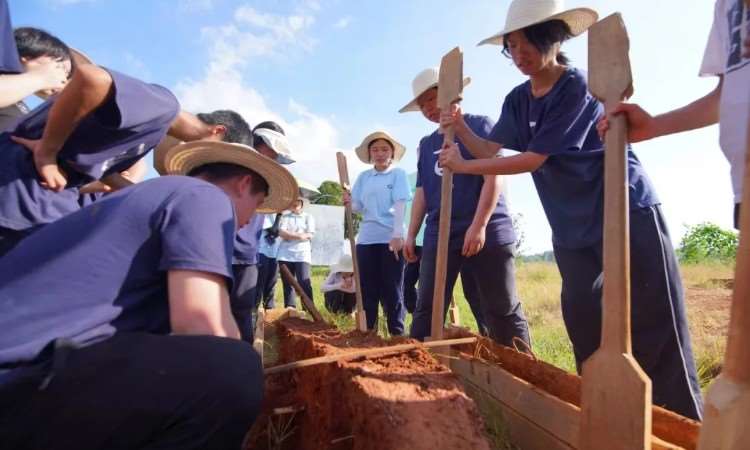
(482, 241)
(116, 330)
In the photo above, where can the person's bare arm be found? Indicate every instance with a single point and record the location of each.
(527, 161)
(187, 127)
(199, 304)
(418, 209)
(477, 146)
(47, 76)
(290, 235)
(475, 235)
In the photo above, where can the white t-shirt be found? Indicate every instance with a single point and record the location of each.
(296, 250)
(723, 56)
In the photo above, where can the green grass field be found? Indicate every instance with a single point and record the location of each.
(707, 287)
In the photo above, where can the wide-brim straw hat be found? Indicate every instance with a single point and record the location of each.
(282, 187)
(524, 13)
(345, 264)
(425, 80)
(276, 142)
(363, 151)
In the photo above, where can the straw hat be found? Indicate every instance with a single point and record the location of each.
(426, 79)
(345, 264)
(524, 13)
(277, 142)
(363, 151)
(282, 187)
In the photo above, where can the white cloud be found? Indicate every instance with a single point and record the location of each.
(343, 22)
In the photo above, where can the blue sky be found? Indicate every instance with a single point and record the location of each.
(331, 71)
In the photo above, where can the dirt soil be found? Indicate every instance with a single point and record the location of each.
(405, 401)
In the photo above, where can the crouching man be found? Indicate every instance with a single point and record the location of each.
(115, 324)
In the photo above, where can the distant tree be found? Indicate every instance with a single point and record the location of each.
(331, 193)
(708, 242)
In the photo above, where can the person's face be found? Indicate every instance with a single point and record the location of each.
(428, 105)
(297, 208)
(245, 202)
(527, 58)
(35, 63)
(381, 154)
(265, 150)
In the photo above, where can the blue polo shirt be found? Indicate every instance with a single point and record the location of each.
(103, 269)
(246, 242)
(466, 191)
(374, 194)
(130, 123)
(9, 60)
(570, 184)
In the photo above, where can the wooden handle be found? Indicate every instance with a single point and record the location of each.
(116, 181)
(344, 180)
(306, 301)
(616, 259)
(441, 257)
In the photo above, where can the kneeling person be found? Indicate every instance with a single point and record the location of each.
(338, 289)
(120, 312)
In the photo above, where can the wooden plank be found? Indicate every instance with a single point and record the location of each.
(454, 316)
(359, 316)
(306, 301)
(615, 391)
(450, 86)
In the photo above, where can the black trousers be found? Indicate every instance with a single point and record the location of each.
(492, 272)
(471, 292)
(268, 276)
(660, 335)
(243, 298)
(381, 278)
(340, 302)
(300, 271)
(136, 391)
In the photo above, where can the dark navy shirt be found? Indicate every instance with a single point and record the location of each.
(103, 269)
(246, 242)
(570, 184)
(466, 191)
(110, 139)
(9, 60)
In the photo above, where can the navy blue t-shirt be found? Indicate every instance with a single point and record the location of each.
(246, 242)
(570, 184)
(9, 60)
(110, 139)
(103, 269)
(466, 191)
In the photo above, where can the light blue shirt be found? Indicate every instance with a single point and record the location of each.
(374, 194)
(265, 248)
(294, 250)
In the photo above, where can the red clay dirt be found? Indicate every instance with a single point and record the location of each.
(405, 401)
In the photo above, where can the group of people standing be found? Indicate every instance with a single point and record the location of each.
(132, 306)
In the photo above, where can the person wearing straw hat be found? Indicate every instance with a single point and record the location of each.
(19, 79)
(45, 66)
(296, 230)
(380, 194)
(728, 104)
(128, 329)
(551, 120)
(338, 288)
(481, 241)
(253, 269)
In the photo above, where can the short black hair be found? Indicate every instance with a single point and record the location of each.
(220, 171)
(543, 36)
(238, 131)
(269, 125)
(34, 43)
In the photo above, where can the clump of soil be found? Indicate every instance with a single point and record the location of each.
(404, 401)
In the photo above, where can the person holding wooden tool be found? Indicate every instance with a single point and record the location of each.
(482, 241)
(124, 338)
(380, 194)
(296, 230)
(551, 119)
(728, 104)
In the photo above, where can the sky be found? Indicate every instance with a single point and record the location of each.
(332, 71)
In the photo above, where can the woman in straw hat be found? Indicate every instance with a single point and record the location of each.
(137, 312)
(380, 194)
(551, 119)
(338, 288)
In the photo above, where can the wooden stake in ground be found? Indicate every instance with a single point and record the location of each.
(306, 301)
(453, 314)
(359, 315)
(450, 86)
(616, 393)
(727, 406)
